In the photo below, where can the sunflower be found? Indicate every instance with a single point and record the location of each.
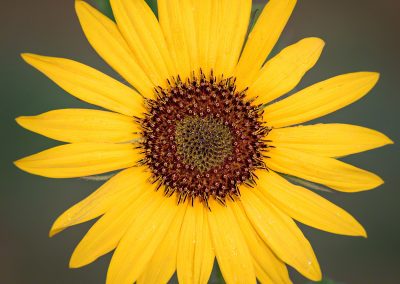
(202, 149)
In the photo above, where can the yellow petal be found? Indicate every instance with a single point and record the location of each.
(327, 171)
(262, 276)
(177, 24)
(141, 29)
(306, 206)
(269, 269)
(232, 27)
(281, 233)
(80, 159)
(205, 21)
(107, 232)
(262, 39)
(140, 242)
(88, 84)
(283, 72)
(233, 255)
(205, 34)
(106, 39)
(120, 187)
(82, 125)
(320, 99)
(330, 140)
(195, 256)
(163, 263)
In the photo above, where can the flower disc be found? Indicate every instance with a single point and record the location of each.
(202, 139)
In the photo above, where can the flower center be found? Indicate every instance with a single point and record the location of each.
(202, 139)
(203, 142)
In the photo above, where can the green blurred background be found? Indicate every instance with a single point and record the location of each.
(360, 35)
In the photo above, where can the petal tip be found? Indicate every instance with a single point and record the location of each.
(388, 141)
(29, 57)
(76, 260)
(25, 55)
(21, 121)
(317, 41)
(73, 263)
(373, 76)
(366, 78)
(360, 231)
(381, 139)
(35, 60)
(21, 164)
(53, 232)
(55, 229)
(364, 234)
(380, 181)
(315, 274)
(376, 74)
(374, 182)
(18, 164)
(322, 43)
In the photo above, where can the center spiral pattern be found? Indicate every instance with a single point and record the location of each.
(203, 142)
(202, 139)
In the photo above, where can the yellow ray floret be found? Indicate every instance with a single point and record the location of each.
(105, 37)
(140, 242)
(141, 30)
(205, 29)
(320, 99)
(88, 84)
(230, 247)
(281, 233)
(262, 39)
(231, 28)
(176, 22)
(195, 244)
(80, 159)
(268, 268)
(306, 206)
(82, 125)
(205, 34)
(330, 140)
(162, 265)
(324, 170)
(107, 232)
(120, 187)
(283, 72)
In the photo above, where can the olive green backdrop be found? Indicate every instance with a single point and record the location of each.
(360, 35)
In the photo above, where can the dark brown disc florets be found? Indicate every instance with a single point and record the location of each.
(202, 139)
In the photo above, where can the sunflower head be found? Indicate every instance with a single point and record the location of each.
(202, 139)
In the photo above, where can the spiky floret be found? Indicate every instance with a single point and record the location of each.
(202, 138)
